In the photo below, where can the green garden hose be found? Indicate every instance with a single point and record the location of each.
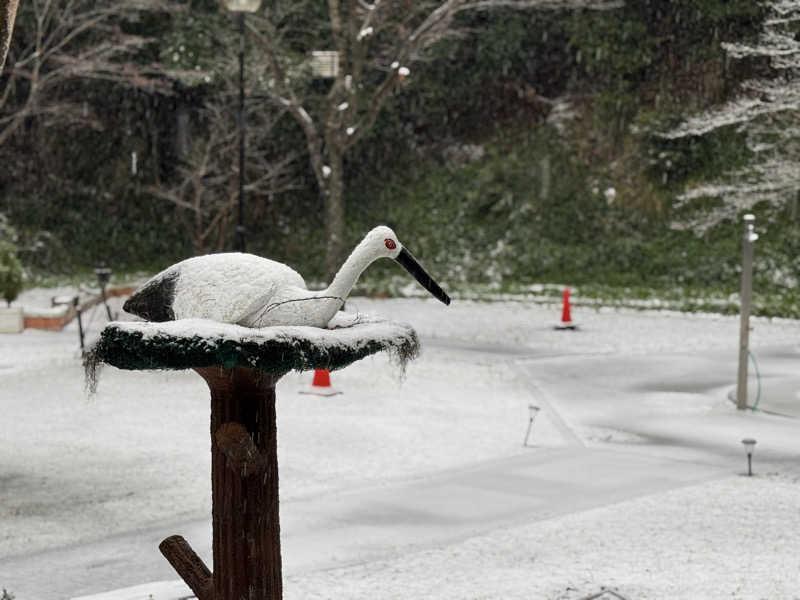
(758, 380)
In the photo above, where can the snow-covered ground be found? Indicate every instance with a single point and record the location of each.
(734, 538)
(137, 452)
(653, 384)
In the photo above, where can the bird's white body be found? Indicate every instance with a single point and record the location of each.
(253, 291)
(231, 287)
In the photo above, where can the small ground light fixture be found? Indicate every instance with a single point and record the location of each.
(103, 274)
(749, 446)
(532, 412)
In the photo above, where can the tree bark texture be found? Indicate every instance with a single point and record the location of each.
(244, 484)
(8, 12)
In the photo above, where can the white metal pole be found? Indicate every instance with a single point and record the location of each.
(746, 295)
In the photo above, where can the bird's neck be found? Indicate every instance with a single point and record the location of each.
(360, 258)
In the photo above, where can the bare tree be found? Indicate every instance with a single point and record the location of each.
(376, 45)
(63, 41)
(58, 41)
(8, 11)
(767, 111)
(205, 185)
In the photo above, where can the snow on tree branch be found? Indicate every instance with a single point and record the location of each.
(776, 43)
(777, 183)
(542, 4)
(738, 111)
(766, 112)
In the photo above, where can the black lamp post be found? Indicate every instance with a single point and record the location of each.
(241, 7)
(103, 274)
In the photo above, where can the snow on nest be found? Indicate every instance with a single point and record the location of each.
(191, 343)
(345, 331)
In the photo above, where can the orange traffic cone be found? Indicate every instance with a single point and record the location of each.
(321, 385)
(566, 317)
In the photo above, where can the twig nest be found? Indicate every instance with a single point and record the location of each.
(197, 343)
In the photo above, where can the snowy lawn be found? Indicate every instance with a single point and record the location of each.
(734, 538)
(603, 330)
(75, 469)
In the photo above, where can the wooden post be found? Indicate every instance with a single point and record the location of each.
(244, 462)
(244, 489)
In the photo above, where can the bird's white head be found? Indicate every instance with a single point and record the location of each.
(382, 241)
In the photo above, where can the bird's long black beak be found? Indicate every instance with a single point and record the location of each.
(411, 265)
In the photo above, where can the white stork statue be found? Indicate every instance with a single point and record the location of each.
(257, 292)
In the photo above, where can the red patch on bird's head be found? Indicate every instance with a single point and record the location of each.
(390, 243)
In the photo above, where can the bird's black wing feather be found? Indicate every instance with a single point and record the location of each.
(153, 301)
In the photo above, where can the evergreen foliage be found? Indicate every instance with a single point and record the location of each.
(468, 162)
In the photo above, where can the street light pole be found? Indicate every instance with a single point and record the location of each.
(240, 224)
(746, 297)
(241, 7)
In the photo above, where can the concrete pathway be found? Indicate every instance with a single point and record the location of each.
(337, 530)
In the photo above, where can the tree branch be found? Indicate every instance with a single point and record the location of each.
(8, 13)
(239, 448)
(336, 28)
(541, 4)
(189, 566)
(374, 107)
(294, 107)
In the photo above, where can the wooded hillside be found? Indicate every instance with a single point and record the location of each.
(522, 146)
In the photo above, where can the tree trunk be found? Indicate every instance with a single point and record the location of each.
(333, 198)
(182, 132)
(8, 12)
(244, 484)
